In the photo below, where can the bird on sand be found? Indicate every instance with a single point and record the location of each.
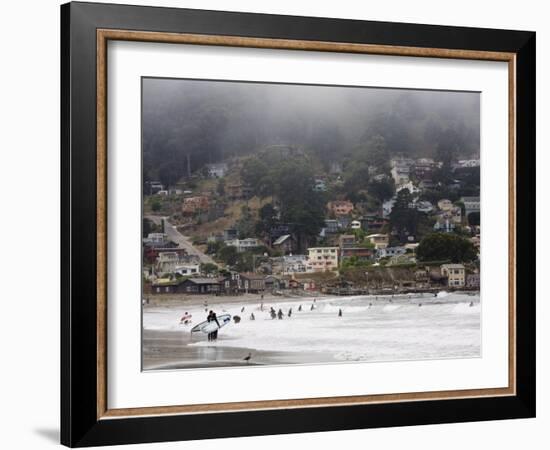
(247, 357)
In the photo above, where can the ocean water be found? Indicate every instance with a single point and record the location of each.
(370, 328)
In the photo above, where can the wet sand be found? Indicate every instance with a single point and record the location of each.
(165, 350)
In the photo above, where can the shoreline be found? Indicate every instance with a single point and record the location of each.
(175, 300)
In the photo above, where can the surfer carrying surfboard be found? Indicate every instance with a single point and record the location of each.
(212, 336)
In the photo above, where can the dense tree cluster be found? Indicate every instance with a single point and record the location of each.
(289, 182)
(446, 247)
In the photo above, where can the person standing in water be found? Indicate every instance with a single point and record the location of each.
(212, 336)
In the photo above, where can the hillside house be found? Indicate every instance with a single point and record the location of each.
(455, 274)
(361, 253)
(192, 205)
(252, 282)
(471, 204)
(340, 207)
(217, 170)
(285, 244)
(242, 245)
(472, 280)
(285, 265)
(322, 259)
(379, 240)
(389, 252)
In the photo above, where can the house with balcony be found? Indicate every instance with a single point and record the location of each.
(379, 240)
(242, 245)
(455, 274)
(340, 207)
(322, 259)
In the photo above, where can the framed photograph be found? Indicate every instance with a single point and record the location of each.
(277, 224)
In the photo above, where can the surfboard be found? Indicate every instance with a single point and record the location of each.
(208, 327)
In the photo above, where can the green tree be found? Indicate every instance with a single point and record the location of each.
(209, 269)
(228, 255)
(156, 205)
(290, 181)
(405, 220)
(245, 225)
(474, 219)
(446, 246)
(382, 190)
(148, 227)
(267, 219)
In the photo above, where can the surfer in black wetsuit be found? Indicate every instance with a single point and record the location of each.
(280, 314)
(213, 318)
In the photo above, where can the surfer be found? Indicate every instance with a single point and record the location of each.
(300, 308)
(340, 312)
(242, 309)
(252, 317)
(280, 314)
(212, 336)
(186, 318)
(273, 313)
(312, 307)
(471, 304)
(290, 312)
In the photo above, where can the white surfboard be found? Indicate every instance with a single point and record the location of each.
(209, 327)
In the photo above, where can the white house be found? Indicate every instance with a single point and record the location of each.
(390, 251)
(217, 170)
(471, 204)
(187, 269)
(155, 238)
(243, 245)
(286, 265)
